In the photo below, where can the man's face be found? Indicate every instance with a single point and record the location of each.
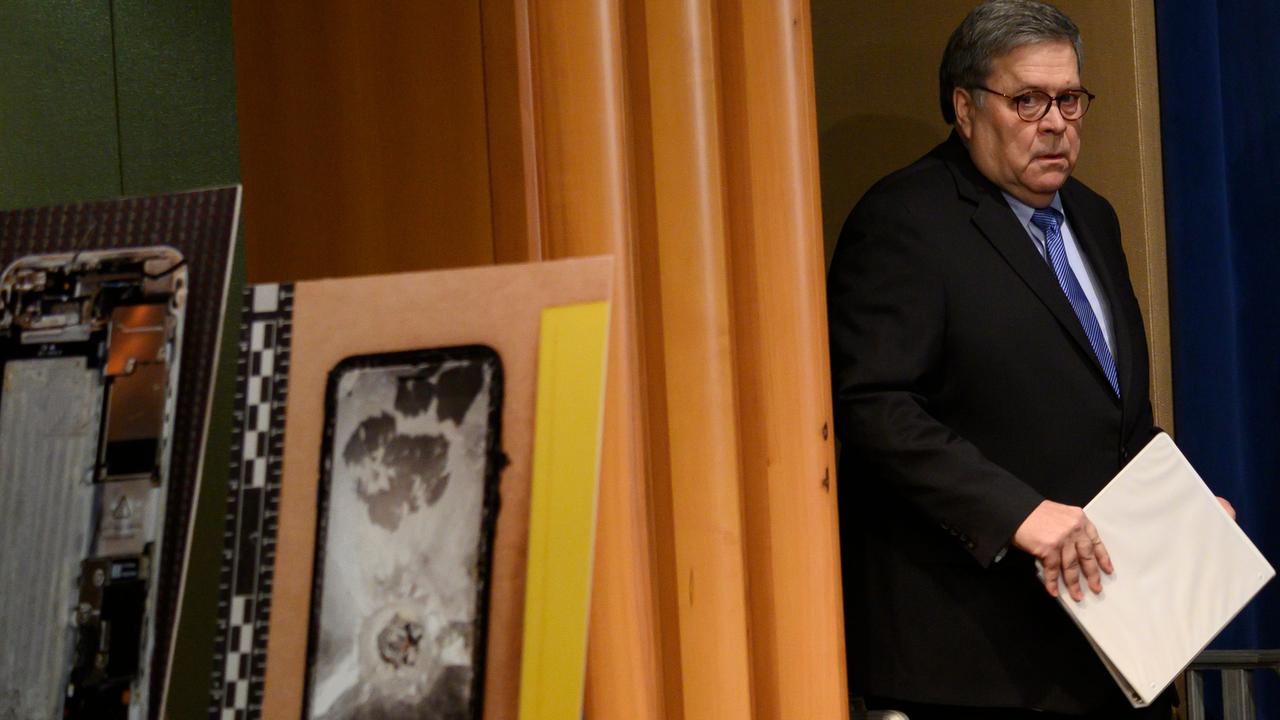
(1028, 160)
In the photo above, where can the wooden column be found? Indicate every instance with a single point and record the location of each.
(783, 374)
(580, 120)
(509, 107)
(678, 123)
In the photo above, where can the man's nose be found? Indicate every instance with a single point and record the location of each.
(1053, 122)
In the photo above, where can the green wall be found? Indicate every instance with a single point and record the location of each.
(102, 98)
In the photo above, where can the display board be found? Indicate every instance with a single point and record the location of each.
(383, 393)
(110, 316)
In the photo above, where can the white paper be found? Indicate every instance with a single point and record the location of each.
(1183, 570)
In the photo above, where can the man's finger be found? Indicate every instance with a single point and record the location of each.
(1088, 563)
(1099, 549)
(1103, 557)
(1051, 576)
(1071, 571)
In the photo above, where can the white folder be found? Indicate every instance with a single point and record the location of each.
(1183, 570)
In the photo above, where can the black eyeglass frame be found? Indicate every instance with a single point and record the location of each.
(1053, 99)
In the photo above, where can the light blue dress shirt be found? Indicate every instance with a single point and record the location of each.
(1079, 264)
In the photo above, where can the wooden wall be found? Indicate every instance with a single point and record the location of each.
(363, 143)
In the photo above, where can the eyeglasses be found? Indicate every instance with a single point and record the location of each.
(1034, 104)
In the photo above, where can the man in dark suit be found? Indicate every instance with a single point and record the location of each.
(990, 377)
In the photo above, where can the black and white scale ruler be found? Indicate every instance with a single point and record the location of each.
(253, 503)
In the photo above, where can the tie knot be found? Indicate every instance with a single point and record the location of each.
(1047, 219)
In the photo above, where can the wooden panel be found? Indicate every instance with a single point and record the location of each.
(783, 375)
(175, 74)
(58, 118)
(1154, 297)
(362, 137)
(650, 322)
(685, 180)
(583, 186)
(876, 81)
(508, 89)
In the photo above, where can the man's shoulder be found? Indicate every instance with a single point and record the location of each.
(928, 178)
(914, 196)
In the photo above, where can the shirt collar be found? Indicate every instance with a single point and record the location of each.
(1025, 211)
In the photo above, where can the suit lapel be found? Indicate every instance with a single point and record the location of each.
(999, 225)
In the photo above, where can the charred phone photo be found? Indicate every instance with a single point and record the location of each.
(408, 501)
(89, 346)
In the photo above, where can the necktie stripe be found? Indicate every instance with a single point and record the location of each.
(1049, 222)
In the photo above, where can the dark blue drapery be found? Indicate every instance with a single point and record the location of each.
(1220, 115)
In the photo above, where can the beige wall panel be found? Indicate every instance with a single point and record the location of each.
(579, 120)
(876, 82)
(784, 379)
(362, 137)
(877, 66)
(682, 128)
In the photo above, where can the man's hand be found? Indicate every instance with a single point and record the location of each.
(1227, 506)
(1066, 544)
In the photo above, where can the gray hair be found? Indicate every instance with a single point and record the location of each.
(992, 29)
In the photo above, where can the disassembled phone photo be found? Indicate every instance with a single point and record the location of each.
(89, 352)
(408, 499)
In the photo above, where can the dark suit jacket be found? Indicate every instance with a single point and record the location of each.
(966, 393)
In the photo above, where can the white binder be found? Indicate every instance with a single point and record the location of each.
(1183, 570)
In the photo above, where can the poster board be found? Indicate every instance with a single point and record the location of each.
(197, 229)
(331, 320)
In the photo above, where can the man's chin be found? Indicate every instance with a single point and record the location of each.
(1049, 183)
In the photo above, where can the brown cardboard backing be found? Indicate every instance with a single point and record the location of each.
(498, 306)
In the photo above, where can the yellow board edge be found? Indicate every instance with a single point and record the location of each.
(568, 415)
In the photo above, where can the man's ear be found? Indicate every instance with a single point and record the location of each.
(963, 102)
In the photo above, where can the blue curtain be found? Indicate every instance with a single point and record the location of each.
(1220, 116)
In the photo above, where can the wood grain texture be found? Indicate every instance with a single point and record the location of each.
(650, 324)
(362, 137)
(779, 306)
(508, 91)
(584, 208)
(686, 182)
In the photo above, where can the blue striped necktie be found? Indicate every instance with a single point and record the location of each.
(1049, 221)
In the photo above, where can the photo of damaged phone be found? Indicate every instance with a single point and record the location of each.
(89, 355)
(407, 505)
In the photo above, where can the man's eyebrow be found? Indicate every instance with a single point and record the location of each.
(1037, 88)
